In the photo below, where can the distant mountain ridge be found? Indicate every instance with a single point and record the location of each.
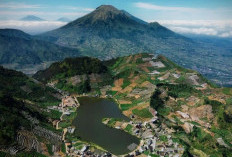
(31, 18)
(108, 32)
(64, 19)
(17, 47)
(14, 33)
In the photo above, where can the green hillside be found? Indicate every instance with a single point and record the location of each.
(197, 111)
(74, 74)
(177, 105)
(17, 47)
(22, 108)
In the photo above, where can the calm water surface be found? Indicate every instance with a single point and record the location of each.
(90, 128)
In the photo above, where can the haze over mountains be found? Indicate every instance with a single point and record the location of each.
(31, 18)
(111, 55)
(19, 49)
(108, 32)
(64, 19)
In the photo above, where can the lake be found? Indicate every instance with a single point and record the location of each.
(90, 128)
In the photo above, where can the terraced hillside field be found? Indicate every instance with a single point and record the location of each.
(175, 108)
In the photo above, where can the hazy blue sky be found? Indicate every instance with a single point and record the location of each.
(209, 17)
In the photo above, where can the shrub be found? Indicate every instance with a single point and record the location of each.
(215, 104)
(49, 146)
(125, 83)
(163, 138)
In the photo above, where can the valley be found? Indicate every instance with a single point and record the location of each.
(171, 109)
(109, 84)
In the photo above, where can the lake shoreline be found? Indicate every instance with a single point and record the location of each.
(75, 107)
(92, 128)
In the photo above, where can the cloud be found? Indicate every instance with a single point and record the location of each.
(78, 8)
(198, 31)
(227, 34)
(19, 6)
(184, 13)
(24, 13)
(88, 9)
(163, 8)
(220, 28)
(32, 27)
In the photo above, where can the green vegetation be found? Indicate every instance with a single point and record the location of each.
(78, 69)
(64, 124)
(215, 104)
(227, 91)
(111, 92)
(128, 128)
(125, 107)
(11, 119)
(199, 140)
(29, 154)
(163, 138)
(54, 114)
(181, 79)
(112, 121)
(177, 120)
(228, 114)
(18, 92)
(124, 74)
(178, 90)
(139, 61)
(156, 102)
(164, 111)
(49, 147)
(63, 148)
(71, 67)
(128, 36)
(2, 154)
(83, 87)
(144, 113)
(19, 85)
(125, 83)
(20, 48)
(22, 97)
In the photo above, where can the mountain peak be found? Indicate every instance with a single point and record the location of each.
(102, 15)
(64, 19)
(104, 12)
(31, 18)
(107, 8)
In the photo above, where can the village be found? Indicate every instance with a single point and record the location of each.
(155, 138)
(132, 95)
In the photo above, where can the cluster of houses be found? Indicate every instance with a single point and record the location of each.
(155, 139)
(150, 133)
(86, 151)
